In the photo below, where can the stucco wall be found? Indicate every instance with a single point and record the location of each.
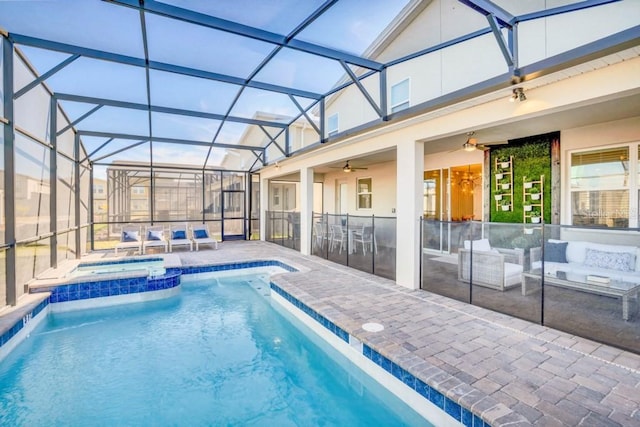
(595, 136)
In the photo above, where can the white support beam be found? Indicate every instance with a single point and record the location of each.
(409, 187)
(264, 206)
(306, 209)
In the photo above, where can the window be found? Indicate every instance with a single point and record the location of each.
(332, 124)
(600, 187)
(137, 190)
(400, 96)
(364, 193)
(98, 189)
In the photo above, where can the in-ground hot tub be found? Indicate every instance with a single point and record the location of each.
(154, 266)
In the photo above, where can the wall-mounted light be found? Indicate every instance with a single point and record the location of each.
(517, 94)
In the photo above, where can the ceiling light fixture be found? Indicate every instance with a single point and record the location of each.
(518, 94)
(347, 168)
(471, 144)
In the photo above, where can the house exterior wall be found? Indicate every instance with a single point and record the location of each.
(383, 176)
(599, 136)
(542, 38)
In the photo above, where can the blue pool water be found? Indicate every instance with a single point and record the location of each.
(217, 354)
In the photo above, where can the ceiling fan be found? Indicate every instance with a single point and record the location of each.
(348, 168)
(472, 143)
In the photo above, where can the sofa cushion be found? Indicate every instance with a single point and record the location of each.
(620, 261)
(555, 252)
(577, 250)
(129, 236)
(478, 245)
(200, 234)
(154, 235)
(178, 235)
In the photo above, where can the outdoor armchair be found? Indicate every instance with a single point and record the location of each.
(201, 236)
(130, 238)
(495, 268)
(154, 237)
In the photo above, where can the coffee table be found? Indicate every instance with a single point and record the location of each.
(616, 288)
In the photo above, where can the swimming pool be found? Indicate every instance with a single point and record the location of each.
(154, 267)
(217, 353)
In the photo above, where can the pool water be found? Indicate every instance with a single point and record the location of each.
(217, 354)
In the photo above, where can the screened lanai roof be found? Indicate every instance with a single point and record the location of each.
(186, 81)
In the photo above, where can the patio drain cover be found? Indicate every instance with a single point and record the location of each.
(372, 327)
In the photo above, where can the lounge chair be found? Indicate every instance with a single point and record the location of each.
(178, 237)
(201, 236)
(130, 238)
(153, 238)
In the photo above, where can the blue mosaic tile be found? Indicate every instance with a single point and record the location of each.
(422, 388)
(467, 418)
(408, 379)
(436, 398)
(396, 370)
(385, 363)
(453, 409)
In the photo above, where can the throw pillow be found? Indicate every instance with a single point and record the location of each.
(129, 236)
(555, 252)
(200, 234)
(621, 261)
(154, 235)
(178, 234)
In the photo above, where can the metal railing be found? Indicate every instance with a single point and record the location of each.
(283, 228)
(584, 281)
(366, 243)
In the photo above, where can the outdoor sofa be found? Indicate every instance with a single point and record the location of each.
(580, 258)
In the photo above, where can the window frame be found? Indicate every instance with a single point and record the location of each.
(632, 188)
(399, 106)
(364, 193)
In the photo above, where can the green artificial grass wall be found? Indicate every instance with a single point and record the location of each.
(531, 158)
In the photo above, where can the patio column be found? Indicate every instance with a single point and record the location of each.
(306, 208)
(409, 183)
(264, 207)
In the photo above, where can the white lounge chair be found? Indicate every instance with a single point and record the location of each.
(201, 236)
(130, 238)
(178, 237)
(153, 238)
